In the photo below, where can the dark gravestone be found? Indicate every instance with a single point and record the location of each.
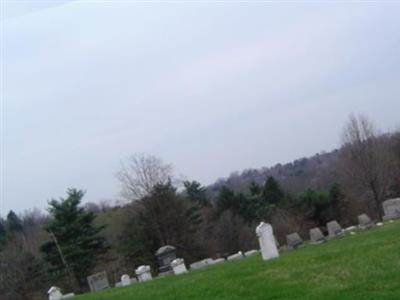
(294, 240)
(165, 255)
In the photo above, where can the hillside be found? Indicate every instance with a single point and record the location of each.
(362, 266)
(316, 172)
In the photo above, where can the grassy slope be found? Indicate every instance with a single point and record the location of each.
(363, 266)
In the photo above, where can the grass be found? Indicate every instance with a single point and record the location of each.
(362, 266)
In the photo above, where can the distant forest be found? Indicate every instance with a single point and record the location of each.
(316, 172)
(75, 240)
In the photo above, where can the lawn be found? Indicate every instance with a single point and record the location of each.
(362, 266)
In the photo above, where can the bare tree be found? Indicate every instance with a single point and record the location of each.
(140, 173)
(366, 160)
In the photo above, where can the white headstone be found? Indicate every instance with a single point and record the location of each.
(202, 264)
(236, 256)
(251, 253)
(350, 228)
(267, 241)
(54, 293)
(217, 261)
(125, 280)
(178, 266)
(144, 273)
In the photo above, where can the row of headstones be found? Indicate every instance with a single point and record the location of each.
(334, 230)
(99, 280)
(268, 247)
(178, 267)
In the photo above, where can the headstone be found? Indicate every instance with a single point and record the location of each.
(178, 266)
(98, 281)
(251, 253)
(118, 284)
(201, 264)
(334, 229)
(267, 242)
(391, 209)
(68, 296)
(379, 224)
(217, 261)
(365, 222)
(165, 255)
(144, 273)
(208, 261)
(316, 236)
(198, 265)
(350, 228)
(54, 293)
(294, 240)
(125, 280)
(236, 256)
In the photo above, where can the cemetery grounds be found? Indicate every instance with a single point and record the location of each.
(361, 266)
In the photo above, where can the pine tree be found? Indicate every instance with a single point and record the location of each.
(225, 200)
(75, 242)
(196, 193)
(254, 188)
(14, 224)
(272, 192)
(3, 233)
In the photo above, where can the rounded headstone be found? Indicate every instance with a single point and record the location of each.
(125, 280)
(316, 236)
(267, 242)
(165, 249)
(54, 293)
(294, 240)
(365, 222)
(334, 229)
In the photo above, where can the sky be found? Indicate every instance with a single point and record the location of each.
(210, 87)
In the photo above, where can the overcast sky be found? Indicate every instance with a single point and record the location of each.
(209, 87)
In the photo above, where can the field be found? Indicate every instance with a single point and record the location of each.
(361, 266)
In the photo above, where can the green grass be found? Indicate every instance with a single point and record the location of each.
(363, 266)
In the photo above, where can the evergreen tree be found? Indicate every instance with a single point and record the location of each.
(3, 233)
(14, 223)
(161, 218)
(335, 194)
(322, 206)
(225, 200)
(336, 199)
(75, 243)
(272, 192)
(196, 193)
(254, 189)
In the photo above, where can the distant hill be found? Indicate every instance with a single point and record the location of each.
(317, 172)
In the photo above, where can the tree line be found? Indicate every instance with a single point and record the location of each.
(74, 240)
